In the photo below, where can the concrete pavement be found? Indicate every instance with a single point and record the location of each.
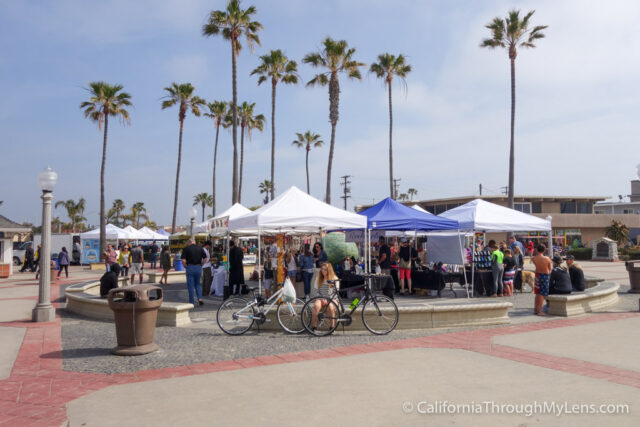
(586, 361)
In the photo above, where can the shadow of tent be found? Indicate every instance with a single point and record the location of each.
(78, 353)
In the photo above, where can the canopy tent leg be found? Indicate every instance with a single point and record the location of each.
(227, 237)
(259, 264)
(473, 262)
(463, 258)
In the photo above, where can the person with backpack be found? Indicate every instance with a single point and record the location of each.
(63, 262)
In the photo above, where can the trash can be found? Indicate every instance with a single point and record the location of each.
(177, 264)
(135, 311)
(634, 276)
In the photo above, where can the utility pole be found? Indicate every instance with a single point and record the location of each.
(345, 189)
(505, 189)
(395, 187)
(480, 189)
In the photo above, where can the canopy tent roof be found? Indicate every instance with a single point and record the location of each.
(480, 215)
(391, 215)
(419, 208)
(294, 211)
(135, 234)
(234, 211)
(152, 235)
(111, 232)
(163, 232)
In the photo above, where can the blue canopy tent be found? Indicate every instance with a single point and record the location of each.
(391, 215)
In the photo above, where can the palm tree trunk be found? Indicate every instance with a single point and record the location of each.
(241, 164)
(513, 119)
(390, 145)
(273, 136)
(203, 204)
(234, 114)
(215, 160)
(103, 232)
(334, 101)
(175, 199)
(307, 165)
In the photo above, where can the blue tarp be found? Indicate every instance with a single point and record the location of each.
(391, 215)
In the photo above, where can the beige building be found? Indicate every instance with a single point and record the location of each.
(572, 218)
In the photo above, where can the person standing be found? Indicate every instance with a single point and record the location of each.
(306, 265)
(137, 262)
(497, 269)
(153, 251)
(28, 260)
(404, 265)
(63, 262)
(509, 272)
(236, 268)
(110, 256)
(513, 243)
(543, 270)
(319, 255)
(124, 261)
(36, 263)
(291, 262)
(165, 263)
(193, 258)
(576, 274)
(206, 269)
(384, 257)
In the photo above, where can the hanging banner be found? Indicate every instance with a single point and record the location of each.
(219, 226)
(357, 236)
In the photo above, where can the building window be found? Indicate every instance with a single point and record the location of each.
(627, 211)
(536, 207)
(585, 208)
(568, 207)
(523, 207)
(440, 208)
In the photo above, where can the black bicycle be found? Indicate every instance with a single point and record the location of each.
(322, 315)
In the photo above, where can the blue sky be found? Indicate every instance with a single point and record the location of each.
(576, 115)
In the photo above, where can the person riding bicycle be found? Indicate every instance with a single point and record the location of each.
(325, 274)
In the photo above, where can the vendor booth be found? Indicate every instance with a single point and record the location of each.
(90, 242)
(480, 216)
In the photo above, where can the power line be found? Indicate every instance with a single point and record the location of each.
(346, 189)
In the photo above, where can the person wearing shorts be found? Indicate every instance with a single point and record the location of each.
(404, 265)
(324, 290)
(137, 263)
(543, 270)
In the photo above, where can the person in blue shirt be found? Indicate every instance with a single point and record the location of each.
(306, 264)
(513, 243)
(319, 254)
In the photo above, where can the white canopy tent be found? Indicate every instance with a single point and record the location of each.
(152, 235)
(234, 211)
(135, 234)
(111, 232)
(481, 216)
(294, 212)
(418, 208)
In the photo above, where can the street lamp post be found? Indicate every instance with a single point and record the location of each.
(44, 311)
(193, 213)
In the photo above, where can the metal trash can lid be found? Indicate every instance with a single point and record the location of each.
(139, 292)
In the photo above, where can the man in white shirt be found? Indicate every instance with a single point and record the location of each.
(206, 269)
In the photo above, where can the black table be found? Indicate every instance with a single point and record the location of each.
(483, 281)
(378, 283)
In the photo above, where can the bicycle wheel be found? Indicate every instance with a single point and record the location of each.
(327, 315)
(380, 314)
(289, 316)
(235, 316)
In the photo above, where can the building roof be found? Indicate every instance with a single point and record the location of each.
(522, 198)
(7, 225)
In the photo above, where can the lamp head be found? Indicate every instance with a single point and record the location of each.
(47, 180)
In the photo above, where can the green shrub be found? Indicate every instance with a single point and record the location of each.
(633, 253)
(583, 254)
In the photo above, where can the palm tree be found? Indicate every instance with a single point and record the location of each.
(114, 214)
(403, 196)
(105, 100)
(511, 33)
(56, 222)
(217, 111)
(138, 211)
(266, 187)
(233, 23)
(181, 94)
(412, 192)
(279, 68)
(337, 58)
(75, 211)
(307, 140)
(386, 68)
(205, 199)
(248, 122)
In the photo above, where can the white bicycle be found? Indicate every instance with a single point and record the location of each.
(237, 315)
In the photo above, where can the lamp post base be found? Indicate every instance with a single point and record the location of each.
(44, 314)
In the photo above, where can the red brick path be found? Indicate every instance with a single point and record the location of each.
(38, 389)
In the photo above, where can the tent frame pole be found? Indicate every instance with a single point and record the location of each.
(259, 264)
(463, 258)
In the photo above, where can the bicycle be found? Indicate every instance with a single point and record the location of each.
(379, 312)
(237, 315)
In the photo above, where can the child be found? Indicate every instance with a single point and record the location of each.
(509, 272)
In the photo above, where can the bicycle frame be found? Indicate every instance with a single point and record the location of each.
(368, 295)
(273, 297)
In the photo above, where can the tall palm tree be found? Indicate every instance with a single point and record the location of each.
(307, 140)
(248, 122)
(403, 196)
(138, 211)
(181, 94)
(412, 192)
(337, 58)
(386, 68)
(217, 111)
(205, 199)
(266, 187)
(232, 23)
(105, 100)
(56, 223)
(114, 214)
(277, 67)
(510, 33)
